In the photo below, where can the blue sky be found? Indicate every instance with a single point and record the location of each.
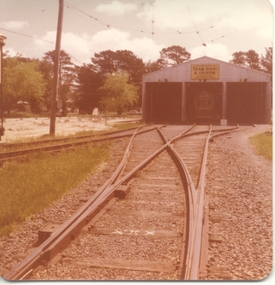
(216, 28)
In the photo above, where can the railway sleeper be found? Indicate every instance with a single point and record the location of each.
(73, 231)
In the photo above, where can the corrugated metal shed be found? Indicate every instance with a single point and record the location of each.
(227, 72)
(207, 89)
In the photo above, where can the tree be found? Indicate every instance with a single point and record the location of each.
(249, 59)
(66, 76)
(266, 61)
(152, 66)
(88, 82)
(46, 68)
(117, 93)
(122, 61)
(23, 82)
(173, 55)
(119, 61)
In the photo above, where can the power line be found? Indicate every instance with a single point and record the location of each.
(36, 38)
(153, 24)
(198, 33)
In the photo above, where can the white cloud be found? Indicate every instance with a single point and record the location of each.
(82, 46)
(247, 17)
(12, 52)
(116, 8)
(196, 15)
(165, 14)
(14, 25)
(265, 32)
(114, 39)
(74, 44)
(217, 51)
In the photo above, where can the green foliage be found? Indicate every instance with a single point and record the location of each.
(267, 60)
(117, 94)
(263, 144)
(126, 126)
(123, 61)
(66, 77)
(23, 82)
(89, 82)
(251, 59)
(28, 187)
(173, 55)
(46, 68)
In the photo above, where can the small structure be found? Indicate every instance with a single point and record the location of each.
(207, 90)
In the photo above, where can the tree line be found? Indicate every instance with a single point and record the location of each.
(110, 82)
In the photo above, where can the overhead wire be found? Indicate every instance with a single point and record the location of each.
(153, 19)
(33, 37)
(198, 33)
(96, 19)
(153, 24)
(152, 32)
(36, 38)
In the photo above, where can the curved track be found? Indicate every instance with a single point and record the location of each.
(12, 151)
(145, 222)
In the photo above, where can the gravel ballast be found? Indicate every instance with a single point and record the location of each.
(239, 186)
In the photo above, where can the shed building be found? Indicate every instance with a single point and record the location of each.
(207, 90)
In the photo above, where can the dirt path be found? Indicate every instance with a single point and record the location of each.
(18, 129)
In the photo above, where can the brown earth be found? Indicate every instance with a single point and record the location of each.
(18, 129)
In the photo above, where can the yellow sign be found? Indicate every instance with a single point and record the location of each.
(205, 71)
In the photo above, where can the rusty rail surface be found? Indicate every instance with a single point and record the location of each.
(70, 229)
(62, 143)
(61, 238)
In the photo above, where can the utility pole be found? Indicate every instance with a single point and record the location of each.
(56, 67)
(2, 43)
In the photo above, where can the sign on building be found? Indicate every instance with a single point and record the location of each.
(205, 71)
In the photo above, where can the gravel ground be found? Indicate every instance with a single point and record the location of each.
(15, 246)
(20, 129)
(239, 185)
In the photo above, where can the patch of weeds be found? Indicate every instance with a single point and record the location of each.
(263, 144)
(28, 187)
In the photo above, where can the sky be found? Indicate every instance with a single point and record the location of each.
(214, 28)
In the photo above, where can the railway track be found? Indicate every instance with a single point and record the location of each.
(12, 151)
(145, 222)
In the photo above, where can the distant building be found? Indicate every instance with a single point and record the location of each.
(207, 90)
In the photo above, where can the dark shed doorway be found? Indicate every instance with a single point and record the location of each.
(204, 101)
(163, 102)
(245, 102)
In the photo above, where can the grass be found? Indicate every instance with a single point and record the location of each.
(29, 186)
(125, 126)
(263, 144)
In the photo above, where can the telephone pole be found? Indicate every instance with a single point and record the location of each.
(56, 67)
(2, 43)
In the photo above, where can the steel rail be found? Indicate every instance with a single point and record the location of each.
(198, 218)
(70, 229)
(189, 187)
(108, 193)
(25, 267)
(56, 147)
(63, 139)
(199, 209)
(54, 140)
(195, 198)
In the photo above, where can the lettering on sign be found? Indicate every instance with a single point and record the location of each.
(204, 71)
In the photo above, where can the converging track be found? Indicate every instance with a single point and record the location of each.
(144, 223)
